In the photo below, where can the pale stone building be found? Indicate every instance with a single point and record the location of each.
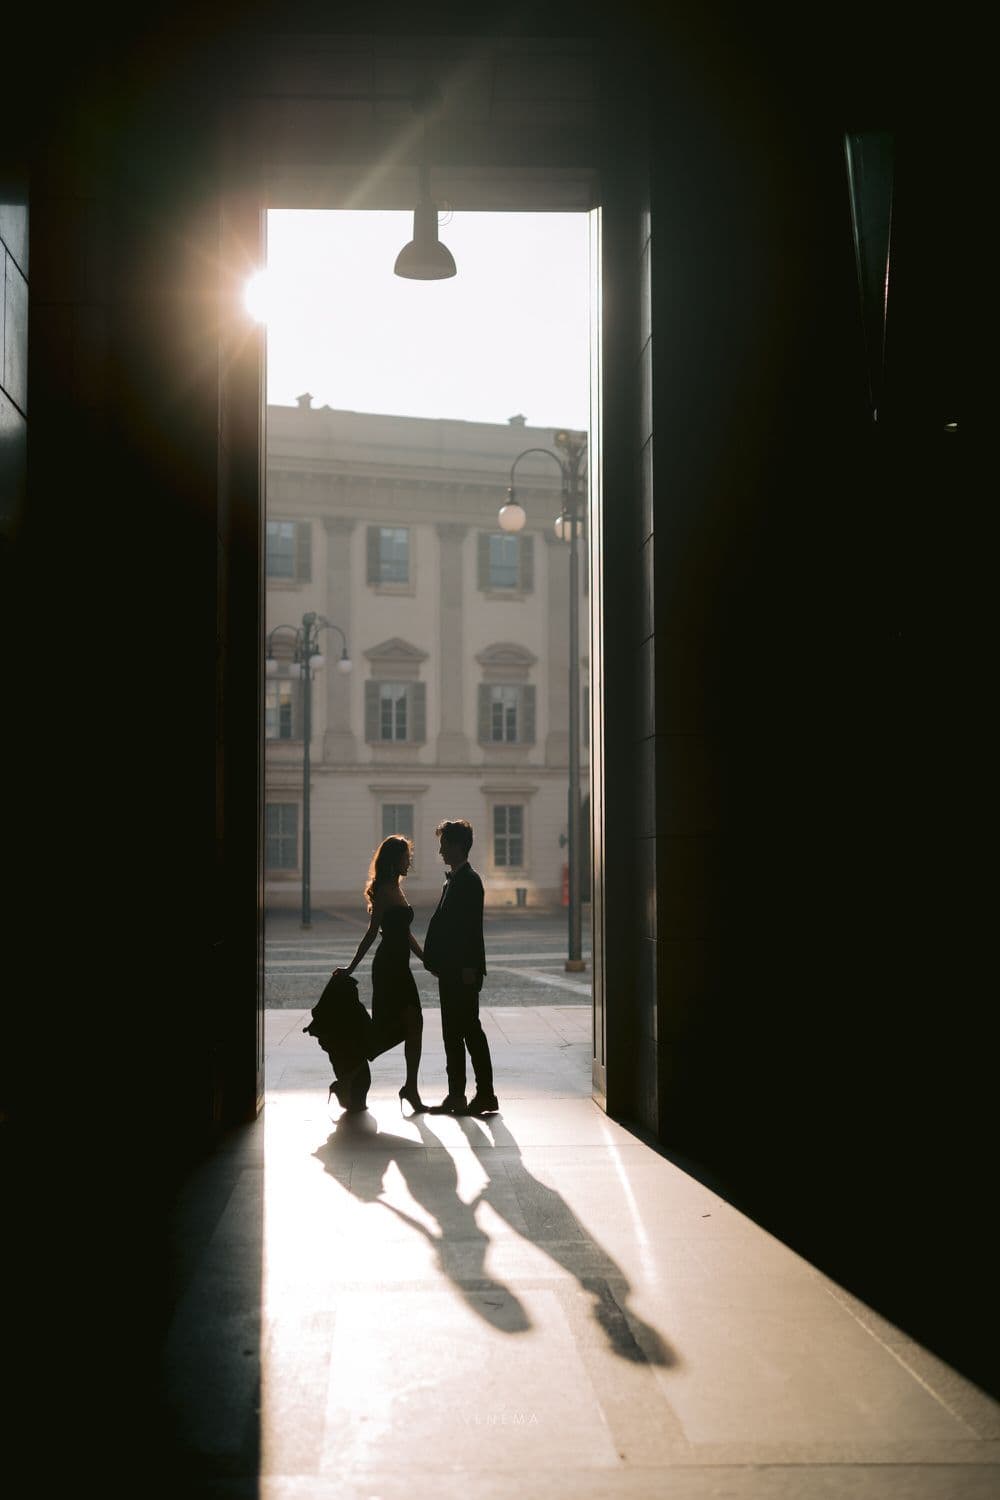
(458, 701)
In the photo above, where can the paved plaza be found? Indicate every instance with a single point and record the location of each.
(525, 958)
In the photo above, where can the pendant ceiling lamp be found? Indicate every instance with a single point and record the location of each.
(425, 258)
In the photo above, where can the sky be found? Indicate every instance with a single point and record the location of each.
(508, 335)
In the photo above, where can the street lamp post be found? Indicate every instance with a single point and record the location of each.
(568, 527)
(308, 658)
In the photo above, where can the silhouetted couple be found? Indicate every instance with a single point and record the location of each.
(453, 952)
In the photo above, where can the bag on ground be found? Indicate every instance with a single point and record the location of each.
(341, 1024)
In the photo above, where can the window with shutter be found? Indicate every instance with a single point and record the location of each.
(507, 713)
(281, 550)
(505, 563)
(395, 712)
(281, 851)
(508, 835)
(505, 703)
(394, 554)
(288, 550)
(397, 817)
(505, 571)
(394, 717)
(388, 554)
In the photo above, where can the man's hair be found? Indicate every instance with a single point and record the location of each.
(456, 831)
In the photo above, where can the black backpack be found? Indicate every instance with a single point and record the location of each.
(341, 1024)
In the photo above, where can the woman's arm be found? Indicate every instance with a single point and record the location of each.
(416, 948)
(365, 942)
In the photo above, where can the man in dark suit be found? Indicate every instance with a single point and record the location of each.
(455, 954)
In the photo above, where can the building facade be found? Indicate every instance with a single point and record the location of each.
(457, 703)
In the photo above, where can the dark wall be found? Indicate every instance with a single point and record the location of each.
(815, 865)
(132, 1033)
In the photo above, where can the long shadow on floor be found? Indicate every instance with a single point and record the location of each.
(538, 1213)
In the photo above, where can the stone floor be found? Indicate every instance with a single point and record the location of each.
(537, 1304)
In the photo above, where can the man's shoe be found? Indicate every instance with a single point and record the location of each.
(483, 1104)
(452, 1104)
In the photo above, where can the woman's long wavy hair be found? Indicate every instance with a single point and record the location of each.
(387, 863)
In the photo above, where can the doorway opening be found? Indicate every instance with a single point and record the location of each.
(427, 602)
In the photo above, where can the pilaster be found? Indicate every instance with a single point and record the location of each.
(339, 744)
(453, 742)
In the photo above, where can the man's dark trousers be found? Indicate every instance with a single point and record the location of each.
(454, 948)
(461, 1028)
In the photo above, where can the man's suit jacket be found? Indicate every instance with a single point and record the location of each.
(454, 938)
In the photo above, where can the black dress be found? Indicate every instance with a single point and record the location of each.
(393, 986)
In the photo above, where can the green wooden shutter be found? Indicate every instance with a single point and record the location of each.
(418, 712)
(485, 702)
(374, 557)
(526, 557)
(303, 551)
(483, 554)
(371, 712)
(528, 714)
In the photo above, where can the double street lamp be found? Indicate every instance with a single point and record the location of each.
(307, 658)
(568, 527)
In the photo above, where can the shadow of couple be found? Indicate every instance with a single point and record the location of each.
(358, 1155)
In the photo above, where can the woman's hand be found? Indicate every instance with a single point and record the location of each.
(337, 973)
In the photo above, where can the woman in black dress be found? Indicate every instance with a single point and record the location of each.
(396, 1013)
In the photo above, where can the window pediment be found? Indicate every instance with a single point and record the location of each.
(396, 660)
(506, 662)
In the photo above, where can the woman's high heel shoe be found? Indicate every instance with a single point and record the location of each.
(413, 1099)
(334, 1093)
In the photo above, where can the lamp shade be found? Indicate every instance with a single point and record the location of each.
(271, 667)
(317, 661)
(345, 664)
(565, 527)
(425, 258)
(511, 516)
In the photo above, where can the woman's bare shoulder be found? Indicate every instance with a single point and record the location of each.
(386, 895)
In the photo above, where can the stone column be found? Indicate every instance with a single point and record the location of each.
(453, 742)
(557, 666)
(339, 745)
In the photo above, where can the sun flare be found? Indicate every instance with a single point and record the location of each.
(258, 296)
